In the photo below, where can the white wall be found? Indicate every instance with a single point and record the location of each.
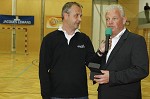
(98, 25)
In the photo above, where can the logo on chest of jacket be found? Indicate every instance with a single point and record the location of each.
(80, 46)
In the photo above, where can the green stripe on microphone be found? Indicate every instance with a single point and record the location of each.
(108, 31)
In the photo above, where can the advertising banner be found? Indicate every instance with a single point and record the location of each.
(53, 21)
(13, 19)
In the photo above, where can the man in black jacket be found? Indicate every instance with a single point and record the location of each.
(64, 55)
(146, 11)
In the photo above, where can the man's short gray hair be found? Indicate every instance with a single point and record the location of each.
(67, 6)
(116, 6)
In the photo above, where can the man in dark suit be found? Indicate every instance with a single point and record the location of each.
(125, 64)
(146, 11)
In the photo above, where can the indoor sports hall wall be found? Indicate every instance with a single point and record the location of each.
(43, 10)
(40, 11)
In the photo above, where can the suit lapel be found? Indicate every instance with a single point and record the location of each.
(117, 47)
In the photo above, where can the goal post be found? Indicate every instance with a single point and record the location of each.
(17, 36)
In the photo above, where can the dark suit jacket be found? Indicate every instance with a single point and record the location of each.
(128, 64)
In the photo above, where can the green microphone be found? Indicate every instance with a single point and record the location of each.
(108, 33)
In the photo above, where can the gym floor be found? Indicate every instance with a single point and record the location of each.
(19, 78)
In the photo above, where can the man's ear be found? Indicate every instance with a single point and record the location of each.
(124, 20)
(65, 15)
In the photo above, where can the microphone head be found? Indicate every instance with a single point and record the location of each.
(108, 31)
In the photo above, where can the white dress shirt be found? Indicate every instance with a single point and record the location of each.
(114, 42)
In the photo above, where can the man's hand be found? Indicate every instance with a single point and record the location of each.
(102, 45)
(102, 79)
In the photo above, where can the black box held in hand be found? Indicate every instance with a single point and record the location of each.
(94, 67)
